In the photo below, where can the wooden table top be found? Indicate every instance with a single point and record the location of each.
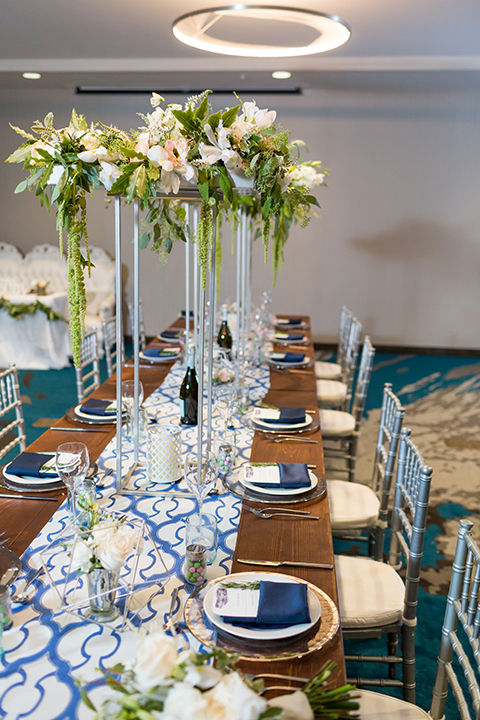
(274, 539)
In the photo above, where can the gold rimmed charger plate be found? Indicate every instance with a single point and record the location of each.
(233, 484)
(298, 646)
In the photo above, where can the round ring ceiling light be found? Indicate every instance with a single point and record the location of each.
(320, 32)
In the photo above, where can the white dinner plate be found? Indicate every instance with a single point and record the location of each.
(285, 341)
(170, 358)
(95, 418)
(28, 479)
(277, 491)
(168, 339)
(281, 363)
(251, 634)
(288, 326)
(275, 427)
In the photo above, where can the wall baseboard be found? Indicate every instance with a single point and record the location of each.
(408, 350)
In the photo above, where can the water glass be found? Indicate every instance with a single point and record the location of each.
(72, 463)
(202, 530)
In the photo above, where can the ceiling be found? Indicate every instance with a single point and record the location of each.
(128, 46)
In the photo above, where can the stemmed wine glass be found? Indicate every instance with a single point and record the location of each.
(225, 399)
(200, 480)
(72, 463)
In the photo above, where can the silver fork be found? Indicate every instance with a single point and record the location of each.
(2, 539)
(267, 516)
(23, 597)
(282, 438)
(170, 624)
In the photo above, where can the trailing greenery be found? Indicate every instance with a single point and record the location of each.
(177, 146)
(20, 310)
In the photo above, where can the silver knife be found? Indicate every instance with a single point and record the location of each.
(28, 497)
(76, 429)
(287, 563)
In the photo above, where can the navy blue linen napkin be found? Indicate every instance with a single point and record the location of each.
(288, 415)
(157, 353)
(171, 334)
(298, 337)
(297, 321)
(95, 406)
(281, 605)
(29, 464)
(184, 312)
(293, 358)
(292, 475)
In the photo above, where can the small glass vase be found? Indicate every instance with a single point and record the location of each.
(102, 588)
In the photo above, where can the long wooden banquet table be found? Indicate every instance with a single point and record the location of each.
(275, 539)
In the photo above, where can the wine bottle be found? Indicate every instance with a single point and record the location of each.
(224, 339)
(189, 391)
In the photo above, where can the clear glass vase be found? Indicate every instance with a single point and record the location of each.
(102, 587)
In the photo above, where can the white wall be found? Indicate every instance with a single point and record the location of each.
(399, 236)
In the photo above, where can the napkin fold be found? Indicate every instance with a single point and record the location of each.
(281, 605)
(96, 406)
(287, 416)
(290, 337)
(291, 475)
(29, 464)
(289, 321)
(171, 334)
(184, 312)
(291, 357)
(160, 352)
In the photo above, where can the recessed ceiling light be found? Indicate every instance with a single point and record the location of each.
(31, 76)
(328, 31)
(281, 74)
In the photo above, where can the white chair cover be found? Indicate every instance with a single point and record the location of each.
(331, 392)
(327, 370)
(378, 595)
(351, 505)
(336, 422)
(375, 706)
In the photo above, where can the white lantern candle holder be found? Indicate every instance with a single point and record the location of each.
(164, 454)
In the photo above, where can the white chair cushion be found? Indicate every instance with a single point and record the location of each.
(331, 391)
(375, 706)
(370, 593)
(351, 505)
(336, 422)
(327, 370)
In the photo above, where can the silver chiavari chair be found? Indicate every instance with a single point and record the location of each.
(374, 601)
(88, 374)
(11, 413)
(459, 642)
(338, 393)
(340, 429)
(109, 329)
(334, 370)
(359, 512)
(141, 325)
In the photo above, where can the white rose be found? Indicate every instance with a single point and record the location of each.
(295, 706)
(185, 702)
(115, 547)
(155, 660)
(81, 556)
(231, 699)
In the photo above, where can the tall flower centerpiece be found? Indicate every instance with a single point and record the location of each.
(163, 683)
(214, 151)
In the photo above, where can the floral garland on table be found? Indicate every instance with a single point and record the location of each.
(19, 310)
(191, 144)
(163, 684)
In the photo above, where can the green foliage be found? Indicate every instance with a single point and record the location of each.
(20, 310)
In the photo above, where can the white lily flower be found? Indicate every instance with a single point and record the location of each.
(260, 118)
(108, 174)
(55, 175)
(90, 156)
(159, 157)
(220, 149)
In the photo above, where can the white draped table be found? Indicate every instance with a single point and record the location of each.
(33, 342)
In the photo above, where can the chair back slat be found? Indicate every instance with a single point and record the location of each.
(88, 380)
(11, 412)
(363, 380)
(391, 419)
(343, 334)
(349, 364)
(460, 631)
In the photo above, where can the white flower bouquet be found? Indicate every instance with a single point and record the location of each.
(165, 684)
(193, 145)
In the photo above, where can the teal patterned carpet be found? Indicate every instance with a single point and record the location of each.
(442, 399)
